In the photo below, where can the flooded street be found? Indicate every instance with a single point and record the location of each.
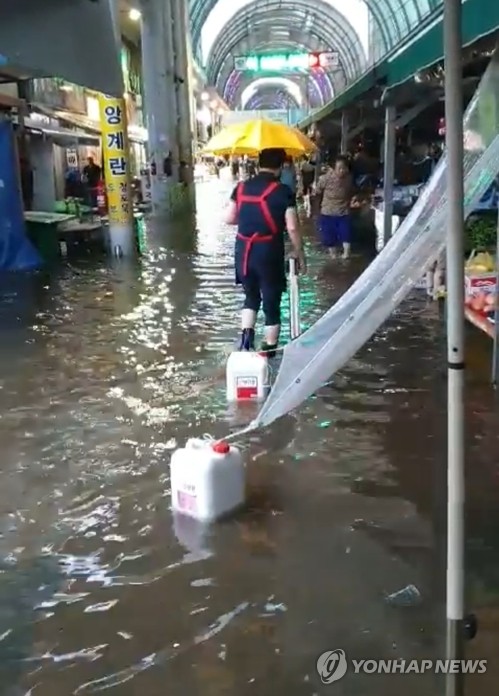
(105, 370)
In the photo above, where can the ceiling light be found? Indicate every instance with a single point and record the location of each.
(134, 14)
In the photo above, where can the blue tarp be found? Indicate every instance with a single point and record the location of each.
(490, 199)
(16, 251)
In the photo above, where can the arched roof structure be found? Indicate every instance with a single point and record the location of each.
(272, 98)
(302, 25)
(265, 84)
(278, 26)
(393, 20)
(316, 88)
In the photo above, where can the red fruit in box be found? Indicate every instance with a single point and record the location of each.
(478, 302)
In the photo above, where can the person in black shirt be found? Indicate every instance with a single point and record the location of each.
(263, 208)
(91, 178)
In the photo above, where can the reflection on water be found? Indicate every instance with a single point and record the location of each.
(105, 369)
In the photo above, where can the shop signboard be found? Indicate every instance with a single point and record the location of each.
(72, 158)
(287, 62)
(116, 165)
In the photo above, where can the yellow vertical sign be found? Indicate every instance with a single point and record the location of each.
(115, 155)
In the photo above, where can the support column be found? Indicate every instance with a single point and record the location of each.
(180, 27)
(159, 101)
(456, 418)
(116, 160)
(115, 152)
(388, 172)
(344, 132)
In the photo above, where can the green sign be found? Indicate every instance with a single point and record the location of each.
(288, 62)
(273, 63)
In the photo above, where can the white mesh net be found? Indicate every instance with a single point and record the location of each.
(310, 360)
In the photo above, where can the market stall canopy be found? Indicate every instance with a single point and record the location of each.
(70, 39)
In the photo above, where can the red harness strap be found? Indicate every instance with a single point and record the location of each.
(261, 202)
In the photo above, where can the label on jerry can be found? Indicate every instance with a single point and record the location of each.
(247, 387)
(187, 499)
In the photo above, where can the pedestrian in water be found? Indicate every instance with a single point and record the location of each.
(263, 208)
(336, 189)
(288, 175)
(307, 181)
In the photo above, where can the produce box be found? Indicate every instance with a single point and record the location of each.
(480, 292)
(480, 283)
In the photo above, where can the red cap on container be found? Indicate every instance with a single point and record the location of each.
(221, 447)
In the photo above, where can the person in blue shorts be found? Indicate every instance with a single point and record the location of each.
(263, 208)
(336, 189)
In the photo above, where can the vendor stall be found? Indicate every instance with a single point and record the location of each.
(43, 230)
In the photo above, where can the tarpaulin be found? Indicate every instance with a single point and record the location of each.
(16, 251)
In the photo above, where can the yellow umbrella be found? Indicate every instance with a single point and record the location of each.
(309, 144)
(222, 143)
(251, 137)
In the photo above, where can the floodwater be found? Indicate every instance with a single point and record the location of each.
(105, 370)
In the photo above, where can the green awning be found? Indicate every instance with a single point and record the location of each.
(364, 83)
(480, 17)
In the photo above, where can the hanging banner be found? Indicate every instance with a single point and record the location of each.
(115, 154)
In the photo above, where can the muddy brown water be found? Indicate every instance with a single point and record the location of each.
(105, 370)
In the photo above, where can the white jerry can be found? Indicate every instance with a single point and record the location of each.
(207, 479)
(247, 376)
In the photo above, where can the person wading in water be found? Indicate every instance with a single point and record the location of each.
(263, 208)
(336, 188)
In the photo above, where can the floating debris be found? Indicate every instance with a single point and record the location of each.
(409, 596)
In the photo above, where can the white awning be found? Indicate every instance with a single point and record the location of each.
(61, 136)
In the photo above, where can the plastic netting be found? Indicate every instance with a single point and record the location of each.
(310, 360)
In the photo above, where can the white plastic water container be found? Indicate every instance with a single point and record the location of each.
(247, 376)
(207, 480)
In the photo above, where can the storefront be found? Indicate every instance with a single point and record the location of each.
(63, 131)
(55, 150)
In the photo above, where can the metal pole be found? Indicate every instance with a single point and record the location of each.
(344, 132)
(294, 301)
(495, 359)
(455, 340)
(388, 172)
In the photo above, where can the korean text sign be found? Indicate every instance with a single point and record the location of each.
(115, 151)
